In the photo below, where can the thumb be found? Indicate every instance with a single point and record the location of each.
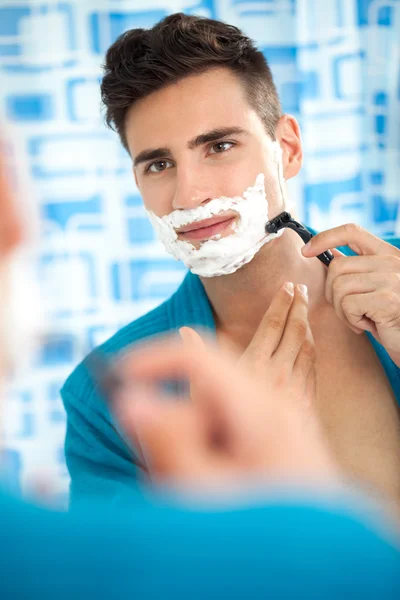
(191, 339)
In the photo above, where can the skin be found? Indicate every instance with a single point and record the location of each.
(11, 234)
(273, 437)
(193, 176)
(253, 443)
(354, 401)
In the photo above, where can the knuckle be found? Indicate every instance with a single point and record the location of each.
(281, 378)
(390, 299)
(308, 350)
(274, 322)
(349, 306)
(299, 328)
(352, 228)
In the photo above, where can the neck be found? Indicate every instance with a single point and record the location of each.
(240, 300)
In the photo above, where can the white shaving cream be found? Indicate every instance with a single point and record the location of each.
(217, 255)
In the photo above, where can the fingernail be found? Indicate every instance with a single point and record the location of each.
(289, 287)
(303, 289)
(306, 248)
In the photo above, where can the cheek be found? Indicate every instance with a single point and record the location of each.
(157, 194)
(233, 179)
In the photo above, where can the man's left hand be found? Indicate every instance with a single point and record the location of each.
(365, 289)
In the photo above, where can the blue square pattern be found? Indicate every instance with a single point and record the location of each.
(261, 8)
(289, 93)
(40, 146)
(57, 416)
(380, 124)
(309, 85)
(63, 213)
(155, 279)
(377, 177)
(71, 88)
(57, 351)
(86, 259)
(280, 55)
(30, 107)
(384, 13)
(383, 210)
(140, 230)
(381, 99)
(53, 391)
(11, 468)
(10, 18)
(340, 85)
(27, 426)
(117, 23)
(22, 396)
(9, 26)
(133, 200)
(322, 194)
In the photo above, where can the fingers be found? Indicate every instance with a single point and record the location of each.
(223, 386)
(269, 333)
(355, 237)
(191, 339)
(296, 329)
(357, 265)
(346, 285)
(370, 310)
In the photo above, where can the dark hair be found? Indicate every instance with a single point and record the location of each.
(142, 61)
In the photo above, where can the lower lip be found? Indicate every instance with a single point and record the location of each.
(206, 232)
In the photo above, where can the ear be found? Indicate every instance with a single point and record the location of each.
(288, 135)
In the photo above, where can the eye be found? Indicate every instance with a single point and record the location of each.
(221, 147)
(158, 166)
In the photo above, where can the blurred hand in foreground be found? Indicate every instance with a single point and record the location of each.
(251, 420)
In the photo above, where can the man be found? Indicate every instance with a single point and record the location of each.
(195, 106)
(260, 546)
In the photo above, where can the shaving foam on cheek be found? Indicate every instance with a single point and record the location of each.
(221, 255)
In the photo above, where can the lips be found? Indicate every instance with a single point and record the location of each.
(207, 228)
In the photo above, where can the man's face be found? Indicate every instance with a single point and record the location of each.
(200, 139)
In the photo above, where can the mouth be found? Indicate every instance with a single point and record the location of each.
(202, 230)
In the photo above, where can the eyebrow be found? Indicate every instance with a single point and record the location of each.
(204, 138)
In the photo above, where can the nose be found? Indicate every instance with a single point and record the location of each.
(193, 189)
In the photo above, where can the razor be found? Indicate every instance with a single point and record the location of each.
(285, 220)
